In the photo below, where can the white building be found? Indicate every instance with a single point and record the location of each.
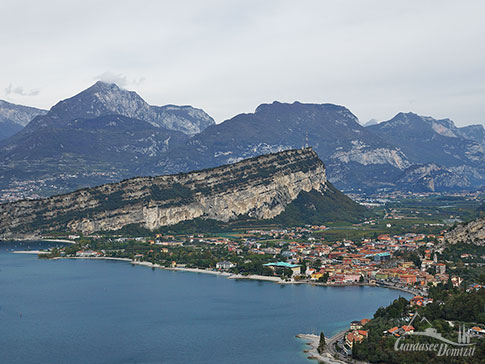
(225, 265)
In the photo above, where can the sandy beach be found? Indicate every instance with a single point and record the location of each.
(36, 252)
(59, 241)
(99, 258)
(197, 270)
(34, 239)
(256, 277)
(192, 270)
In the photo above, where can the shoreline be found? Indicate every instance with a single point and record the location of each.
(255, 277)
(36, 252)
(48, 240)
(97, 258)
(313, 341)
(59, 241)
(151, 265)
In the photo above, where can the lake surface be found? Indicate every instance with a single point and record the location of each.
(86, 311)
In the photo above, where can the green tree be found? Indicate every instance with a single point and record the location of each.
(321, 343)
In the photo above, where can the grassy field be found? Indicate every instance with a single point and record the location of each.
(428, 215)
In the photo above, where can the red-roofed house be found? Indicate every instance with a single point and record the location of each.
(408, 328)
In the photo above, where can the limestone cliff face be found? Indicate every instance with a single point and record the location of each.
(472, 232)
(259, 187)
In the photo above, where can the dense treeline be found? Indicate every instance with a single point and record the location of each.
(471, 253)
(193, 255)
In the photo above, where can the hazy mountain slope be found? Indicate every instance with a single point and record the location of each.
(14, 117)
(83, 152)
(473, 132)
(8, 128)
(431, 178)
(425, 140)
(18, 114)
(106, 138)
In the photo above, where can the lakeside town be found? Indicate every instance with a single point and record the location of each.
(409, 262)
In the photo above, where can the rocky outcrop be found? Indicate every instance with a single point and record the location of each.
(472, 232)
(431, 178)
(260, 187)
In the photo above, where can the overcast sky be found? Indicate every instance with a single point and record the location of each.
(375, 57)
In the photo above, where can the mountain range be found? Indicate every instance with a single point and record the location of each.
(353, 155)
(105, 134)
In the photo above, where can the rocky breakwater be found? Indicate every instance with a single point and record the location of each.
(259, 187)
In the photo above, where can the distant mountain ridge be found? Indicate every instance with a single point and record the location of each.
(408, 152)
(425, 140)
(105, 134)
(14, 117)
(333, 131)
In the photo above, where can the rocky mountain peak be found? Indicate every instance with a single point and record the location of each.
(105, 85)
(445, 127)
(309, 112)
(371, 122)
(425, 140)
(102, 99)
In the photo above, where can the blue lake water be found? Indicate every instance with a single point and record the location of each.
(85, 311)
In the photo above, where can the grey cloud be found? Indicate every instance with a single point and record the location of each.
(18, 90)
(119, 78)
